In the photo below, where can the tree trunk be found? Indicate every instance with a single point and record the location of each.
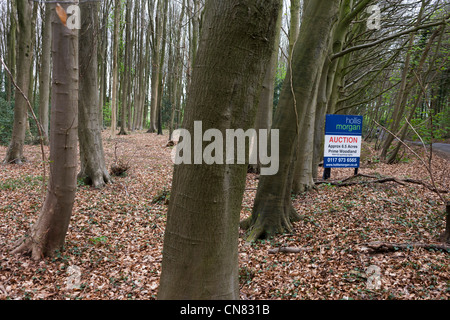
(93, 168)
(160, 67)
(48, 233)
(200, 254)
(273, 211)
(12, 53)
(44, 76)
(303, 178)
(127, 69)
(115, 68)
(176, 73)
(103, 36)
(155, 74)
(294, 25)
(265, 107)
(14, 153)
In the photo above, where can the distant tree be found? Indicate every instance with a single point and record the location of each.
(92, 158)
(14, 154)
(44, 72)
(115, 68)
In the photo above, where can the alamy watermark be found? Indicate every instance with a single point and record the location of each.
(235, 151)
(74, 17)
(71, 17)
(373, 273)
(73, 281)
(374, 20)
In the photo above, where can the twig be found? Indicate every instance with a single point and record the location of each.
(379, 246)
(423, 162)
(345, 183)
(289, 250)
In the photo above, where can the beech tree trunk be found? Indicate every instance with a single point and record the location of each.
(127, 70)
(200, 254)
(265, 108)
(93, 167)
(44, 75)
(156, 37)
(48, 233)
(14, 154)
(272, 211)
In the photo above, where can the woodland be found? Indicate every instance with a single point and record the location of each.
(94, 92)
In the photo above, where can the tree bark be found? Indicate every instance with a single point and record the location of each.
(160, 67)
(273, 212)
(48, 233)
(44, 76)
(200, 254)
(156, 36)
(14, 154)
(127, 70)
(265, 107)
(93, 168)
(294, 25)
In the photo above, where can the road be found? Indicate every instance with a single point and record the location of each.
(443, 149)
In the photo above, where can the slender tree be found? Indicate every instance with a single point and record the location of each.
(12, 52)
(93, 167)
(44, 76)
(14, 154)
(265, 108)
(47, 235)
(127, 70)
(115, 68)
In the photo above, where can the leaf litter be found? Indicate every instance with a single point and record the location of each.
(115, 238)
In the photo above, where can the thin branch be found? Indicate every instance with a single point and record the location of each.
(420, 158)
(396, 35)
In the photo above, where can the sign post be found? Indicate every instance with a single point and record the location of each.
(342, 147)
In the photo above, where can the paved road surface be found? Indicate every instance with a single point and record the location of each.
(442, 149)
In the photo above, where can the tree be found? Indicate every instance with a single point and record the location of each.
(272, 211)
(48, 233)
(115, 68)
(11, 39)
(44, 75)
(200, 256)
(93, 168)
(157, 30)
(175, 71)
(265, 108)
(14, 153)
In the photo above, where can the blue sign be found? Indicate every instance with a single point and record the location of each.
(342, 147)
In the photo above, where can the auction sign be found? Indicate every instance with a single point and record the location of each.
(342, 141)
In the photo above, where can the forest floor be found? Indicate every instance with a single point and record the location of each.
(115, 238)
